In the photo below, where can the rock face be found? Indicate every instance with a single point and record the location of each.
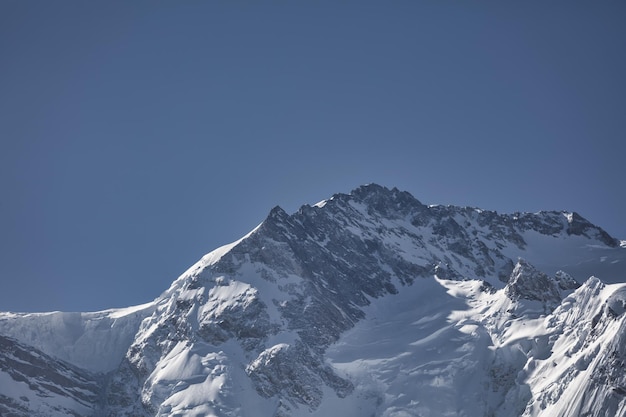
(45, 385)
(528, 283)
(263, 326)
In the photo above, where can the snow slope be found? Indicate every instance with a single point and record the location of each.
(447, 348)
(96, 341)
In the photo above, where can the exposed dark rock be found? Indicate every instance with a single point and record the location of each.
(528, 283)
(46, 377)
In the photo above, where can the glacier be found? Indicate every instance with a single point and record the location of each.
(367, 303)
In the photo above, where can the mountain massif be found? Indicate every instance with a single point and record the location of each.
(366, 304)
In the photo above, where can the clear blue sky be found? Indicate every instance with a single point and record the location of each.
(137, 136)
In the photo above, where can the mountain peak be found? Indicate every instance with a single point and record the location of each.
(578, 225)
(528, 283)
(293, 318)
(277, 213)
(375, 192)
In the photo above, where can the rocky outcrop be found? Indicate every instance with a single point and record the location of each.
(43, 386)
(528, 283)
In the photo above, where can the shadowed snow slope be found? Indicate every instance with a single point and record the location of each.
(368, 303)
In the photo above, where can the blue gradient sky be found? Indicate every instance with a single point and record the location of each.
(137, 136)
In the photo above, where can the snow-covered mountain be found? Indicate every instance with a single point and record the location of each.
(368, 303)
